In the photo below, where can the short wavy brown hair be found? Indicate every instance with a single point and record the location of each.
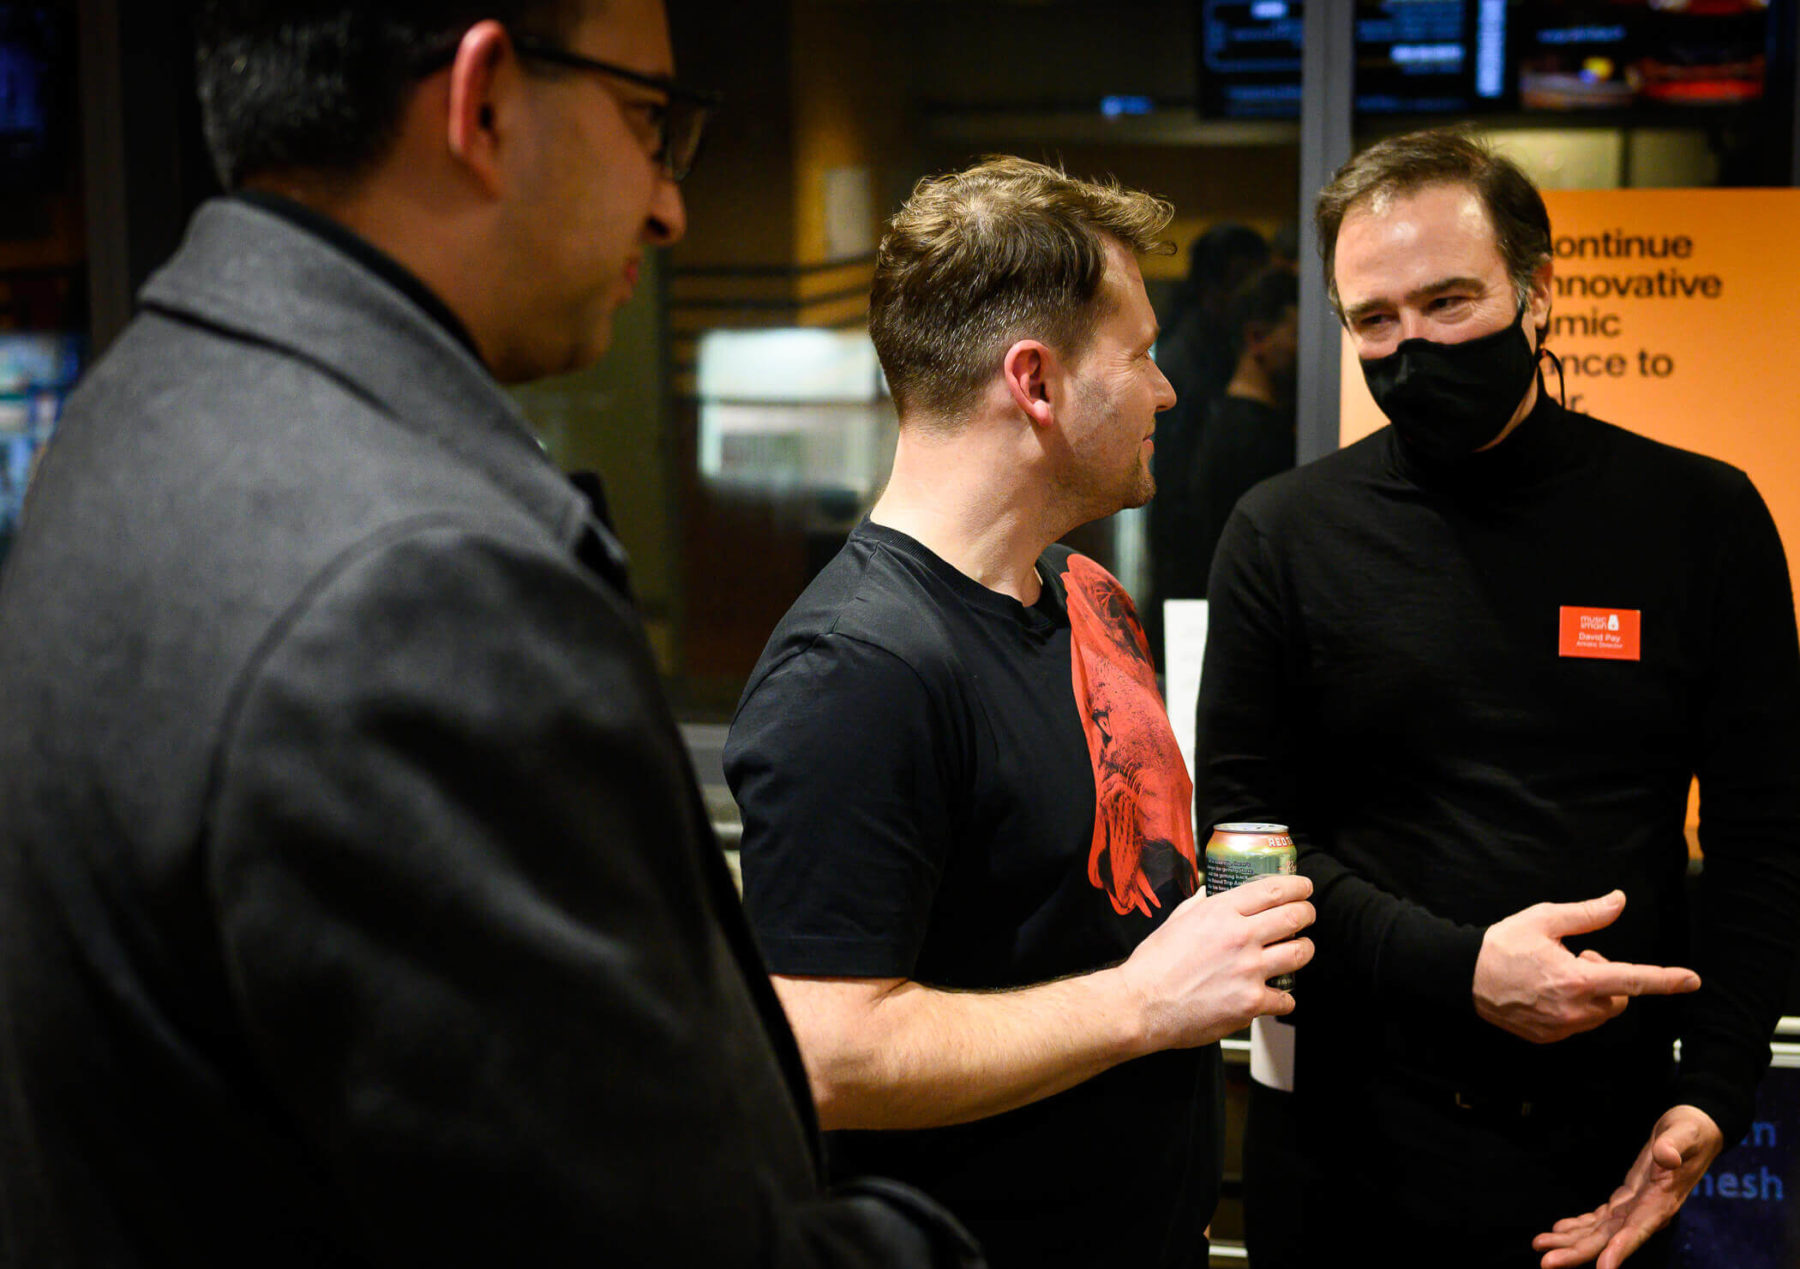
(978, 259)
(1441, 156)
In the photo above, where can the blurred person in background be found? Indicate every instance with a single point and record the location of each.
(1249, 431)
(1220, 448)
(1194, 346)
(1195, 352)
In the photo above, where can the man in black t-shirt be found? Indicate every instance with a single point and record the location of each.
(1475, 661)
(968, 852)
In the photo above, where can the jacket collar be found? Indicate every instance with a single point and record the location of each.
(365, 253)
(261, 276)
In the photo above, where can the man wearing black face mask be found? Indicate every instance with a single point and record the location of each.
(1475, 661)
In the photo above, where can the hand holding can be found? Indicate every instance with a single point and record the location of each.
(1237, 853)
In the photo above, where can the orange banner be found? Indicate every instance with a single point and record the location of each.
(1676, 314)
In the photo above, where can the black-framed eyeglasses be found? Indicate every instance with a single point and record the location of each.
(680, 120)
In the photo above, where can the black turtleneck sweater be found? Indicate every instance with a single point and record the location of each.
(1385, 672)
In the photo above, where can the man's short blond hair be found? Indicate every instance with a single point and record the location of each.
(979, 259)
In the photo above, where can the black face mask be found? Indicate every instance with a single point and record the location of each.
(1448, 400)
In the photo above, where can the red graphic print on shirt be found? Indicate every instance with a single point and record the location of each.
(1143, 798)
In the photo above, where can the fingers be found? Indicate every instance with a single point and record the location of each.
(1568, 1229)
(1573, 1017)
(1276, 924)
(1637, 1209)
(1574, 1246)
(1266, 892)
(1275, 1004)
(1619, 978)
(1622, 1245)
(1636, 1233)
(1285, 958)
(1567, 1232)
(1616, 1228)
(1615, 1005)
(1604, 1009)
(1559, 920)
(1594, 1015)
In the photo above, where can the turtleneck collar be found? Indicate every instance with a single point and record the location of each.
(1547, 442)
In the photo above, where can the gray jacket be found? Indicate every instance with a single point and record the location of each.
(357, 904)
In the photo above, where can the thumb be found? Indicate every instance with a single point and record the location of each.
(1667, 1150)
(1562, 919)
(1684, 1134)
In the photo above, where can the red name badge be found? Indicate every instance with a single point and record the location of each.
(1610, 634)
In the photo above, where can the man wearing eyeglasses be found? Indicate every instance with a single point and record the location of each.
(357, 905)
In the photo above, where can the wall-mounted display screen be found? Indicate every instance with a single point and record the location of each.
(1430, 56)
(1250, 58)
(1705, 52)
(1598, 54)
(1466, 57)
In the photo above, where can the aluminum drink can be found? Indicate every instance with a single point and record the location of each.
(1236, 853)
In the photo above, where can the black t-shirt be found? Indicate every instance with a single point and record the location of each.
(919, 760)
(1397, 667)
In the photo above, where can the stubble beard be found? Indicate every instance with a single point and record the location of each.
(1143, 480)
(1092, 494)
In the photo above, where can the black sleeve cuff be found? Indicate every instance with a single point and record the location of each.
(1433, 963)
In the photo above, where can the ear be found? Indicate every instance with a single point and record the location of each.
(484, 68)
(1539, 303)
(1027, 367)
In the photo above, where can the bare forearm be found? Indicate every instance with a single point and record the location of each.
(923, 1058)
(889, 1053)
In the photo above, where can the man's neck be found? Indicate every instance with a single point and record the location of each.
(970, 504)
